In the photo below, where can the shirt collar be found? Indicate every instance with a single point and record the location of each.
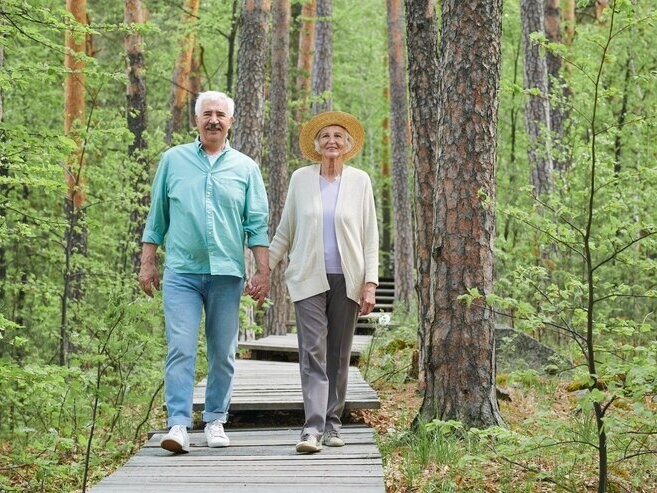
(199, 145)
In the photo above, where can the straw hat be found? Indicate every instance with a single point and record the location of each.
(316, 123)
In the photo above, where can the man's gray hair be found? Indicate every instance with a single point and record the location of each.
(214, 96)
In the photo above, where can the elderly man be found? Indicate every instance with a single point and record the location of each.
(208, 199)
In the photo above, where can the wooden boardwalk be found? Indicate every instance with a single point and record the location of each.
(274, 385)
(258, 460)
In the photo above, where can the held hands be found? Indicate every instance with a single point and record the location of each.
(367, 299)
(258, 287)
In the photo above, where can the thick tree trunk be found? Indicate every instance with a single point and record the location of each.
(400, 136)
(136, 119)
(460, 354)
(277, 315)
(195, 83)
(250, 92)
(251, 77)
(422, 39)
(180, 79)
(322, 82)
(537, 108)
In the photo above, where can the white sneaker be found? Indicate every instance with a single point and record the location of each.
(309, 444)
(177, 440)
(215, 435)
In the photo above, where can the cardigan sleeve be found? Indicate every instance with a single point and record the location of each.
(280, 243)
(370, 235)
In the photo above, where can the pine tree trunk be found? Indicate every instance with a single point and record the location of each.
(252, 54)
(180, 79)
(569, 21)
(556, 85)
(251, 77)
(305, 58)
(460, 353)
(422, 39)
(232, 37)
(400, 136)
(322, 81)
(277, 315)
(4, 172)
(136, 120)
(537, 108)
(74, 116)
(195, 83)
(384, 198)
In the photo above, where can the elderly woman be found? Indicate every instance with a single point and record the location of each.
(328, 231)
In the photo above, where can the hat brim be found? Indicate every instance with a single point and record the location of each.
(312, 127)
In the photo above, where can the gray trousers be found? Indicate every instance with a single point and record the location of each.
(325, 330)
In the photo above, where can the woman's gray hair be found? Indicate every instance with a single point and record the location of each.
(349, 140)
(214, 96)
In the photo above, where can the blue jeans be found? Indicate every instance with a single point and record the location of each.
(185, 296)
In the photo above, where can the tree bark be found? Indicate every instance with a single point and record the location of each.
(423, 80)
(556, 86)
(460, 353)
(74, 119)
(232, 37)
(305, 58)
(277, 315)
(322, 81)
(400, 136)
(537, 108)
(251, 77)
(180, 79)
(136, 120)
(384, 196)
(569, 21)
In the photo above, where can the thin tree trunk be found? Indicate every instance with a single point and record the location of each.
(277, 315)
(180, 78)
(232, 37)
(537, 108)
(400, 136)
(305, 59)
(422, 39)
(322, 81)
(384, 195)
(4, 172)
(74, 114)
(136, 119)
(569, 22)
(556, 86)
(460, 354)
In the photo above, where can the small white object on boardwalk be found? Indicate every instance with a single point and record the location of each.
(258, 460)
(273, 385)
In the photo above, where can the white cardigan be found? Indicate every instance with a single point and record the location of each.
(300, 234)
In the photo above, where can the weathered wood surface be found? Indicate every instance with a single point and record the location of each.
(288, 343)
(258, 460)
(273, 385)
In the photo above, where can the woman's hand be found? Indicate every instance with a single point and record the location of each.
(367, 299)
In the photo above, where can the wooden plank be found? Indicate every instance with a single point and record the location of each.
(258, 460)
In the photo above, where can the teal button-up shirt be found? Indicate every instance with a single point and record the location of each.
(207, 212)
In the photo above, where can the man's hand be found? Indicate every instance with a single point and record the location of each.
(367, 299)
(258, 287)
(149, 278)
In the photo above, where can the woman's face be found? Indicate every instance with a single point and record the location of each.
(332, 141)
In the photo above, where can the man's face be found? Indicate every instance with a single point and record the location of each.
(213, 122)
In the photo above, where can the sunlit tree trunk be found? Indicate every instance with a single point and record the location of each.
(180, 78)
(303, 83)
(74, 115)
(537, 108)
(400, 136)
(136, 119)
(277, 315)
(195, 83)
(460, 352)
(422, 39)
(322, 75)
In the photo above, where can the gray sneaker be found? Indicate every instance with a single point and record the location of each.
(177, 440)
(332, 438)
(309, 444)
